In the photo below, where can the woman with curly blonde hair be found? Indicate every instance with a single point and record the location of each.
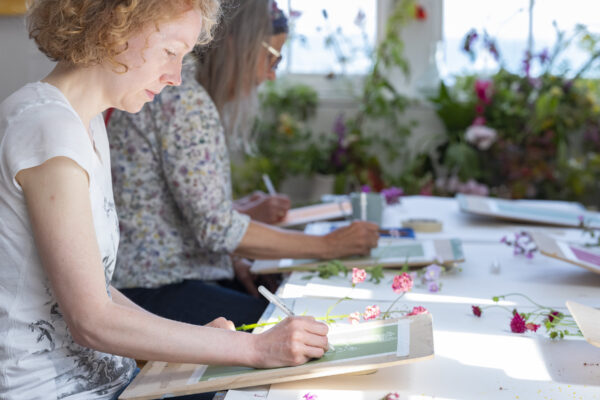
(65, 332)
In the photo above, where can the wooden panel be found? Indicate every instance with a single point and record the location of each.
(159, 378)
(12, 7)
(588, 321)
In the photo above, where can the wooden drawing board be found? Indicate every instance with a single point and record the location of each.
(318, 212)
(588, 321)
(363, 347)
(564, 251)
(513, 210)
(391, 252)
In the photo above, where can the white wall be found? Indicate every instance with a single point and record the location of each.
(20, 60)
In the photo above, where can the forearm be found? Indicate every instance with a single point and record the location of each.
(132, 332)
(268, 242)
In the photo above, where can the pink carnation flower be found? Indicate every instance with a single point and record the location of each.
(371, 312)
(358, 275)
(418, 310)
(402, 283)
(517, 324)
(354, 318)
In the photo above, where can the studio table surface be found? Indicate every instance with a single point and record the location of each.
(475, 358)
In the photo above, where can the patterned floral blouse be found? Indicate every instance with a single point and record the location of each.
(172, 188)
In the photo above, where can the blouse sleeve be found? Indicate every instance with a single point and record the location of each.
(195, 162)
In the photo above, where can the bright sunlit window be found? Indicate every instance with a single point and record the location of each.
(329, 36)
(508, 22)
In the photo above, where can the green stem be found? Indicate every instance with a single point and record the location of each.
(387, 313)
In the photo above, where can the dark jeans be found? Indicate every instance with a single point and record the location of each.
(197, 302)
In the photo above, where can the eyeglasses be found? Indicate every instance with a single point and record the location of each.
(274, 53)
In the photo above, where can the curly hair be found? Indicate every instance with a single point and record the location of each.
(87, 32)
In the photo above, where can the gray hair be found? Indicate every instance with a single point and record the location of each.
(226, 68)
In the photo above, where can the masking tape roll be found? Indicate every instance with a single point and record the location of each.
(423, 224)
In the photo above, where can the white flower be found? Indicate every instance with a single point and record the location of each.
(481, 136)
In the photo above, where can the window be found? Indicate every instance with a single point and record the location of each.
(510, 24)
(329, 36)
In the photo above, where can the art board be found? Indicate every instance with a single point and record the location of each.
(12, 7)
(515, 210)
(364, 347)
(588, 321)
(576, 255)
(390, 252)
(318, 212)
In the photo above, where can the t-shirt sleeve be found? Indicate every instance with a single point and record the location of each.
(196, 165)
(41, 133)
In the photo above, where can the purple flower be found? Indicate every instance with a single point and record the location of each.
(365, 189)
(359, 20)
(491, 46)
(309, 395)
(544, 56)
(527, 63)
(468, 43)
(433, 287)
(339, 128)
(432, 272)
(392, 194)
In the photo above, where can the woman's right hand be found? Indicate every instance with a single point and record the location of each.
(293, 341)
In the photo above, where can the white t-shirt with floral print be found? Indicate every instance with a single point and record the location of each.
(172, 183)
(38, 357)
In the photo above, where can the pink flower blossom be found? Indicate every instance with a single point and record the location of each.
(402, 283)
(476, 311)
(371, 312)
(310, 396)
(392, 396)
(531, 326)
(358, 275)
(483, 89)
(418, 310)
(481, 136)
(354, 318)
(517, 324)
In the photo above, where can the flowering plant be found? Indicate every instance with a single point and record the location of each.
(557, 324)
(516, 134)
(402, 283)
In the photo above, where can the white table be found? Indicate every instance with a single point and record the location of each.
(475, 358)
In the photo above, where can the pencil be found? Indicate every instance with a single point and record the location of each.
(276, 301)
(269, 185)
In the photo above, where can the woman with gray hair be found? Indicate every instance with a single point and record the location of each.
(171, 173)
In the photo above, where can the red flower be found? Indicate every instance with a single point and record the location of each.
(517, 324)
(418, 310)
(476, 311)
(552, 315)
(402, 283)
(420, 13)
(531, 327)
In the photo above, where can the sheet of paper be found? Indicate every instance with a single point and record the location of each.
(352, 342)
